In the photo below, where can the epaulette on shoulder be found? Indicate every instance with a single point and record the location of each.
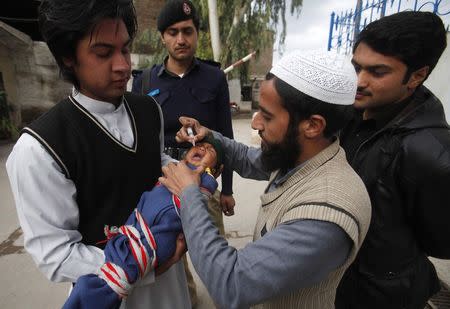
(211, 62)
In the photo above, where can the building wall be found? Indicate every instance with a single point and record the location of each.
(439, 79)
(30, 74)
(8, 74)
(38, 82)
(147, 13)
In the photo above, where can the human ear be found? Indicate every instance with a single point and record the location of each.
(313, 126)
(417, 77)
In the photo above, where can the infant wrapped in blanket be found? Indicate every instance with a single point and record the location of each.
(147, 239)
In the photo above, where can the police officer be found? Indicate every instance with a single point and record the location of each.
(186, 86)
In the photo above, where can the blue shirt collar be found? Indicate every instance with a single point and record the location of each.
(282, 177)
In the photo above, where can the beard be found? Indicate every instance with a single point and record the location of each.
(283, 155)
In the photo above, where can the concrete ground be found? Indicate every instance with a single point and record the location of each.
(23, 286)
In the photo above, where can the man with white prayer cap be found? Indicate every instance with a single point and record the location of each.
(315, 211)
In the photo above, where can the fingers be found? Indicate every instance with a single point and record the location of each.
(178, 176)
(227, 203)
(182, 134)
(181, 247)
(167, 170)
(228, 210)
(188, 122)
(168, 179)
(199, 131)
(180, 250)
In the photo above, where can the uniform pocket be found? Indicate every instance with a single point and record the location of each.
(203, 95)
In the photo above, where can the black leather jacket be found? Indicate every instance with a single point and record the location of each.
(406, 169)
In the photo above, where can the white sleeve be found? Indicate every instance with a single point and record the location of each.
(48, 213)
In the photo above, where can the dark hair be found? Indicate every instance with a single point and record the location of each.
(415, 38)
(301, 106)
(175, 11)
(63, 23)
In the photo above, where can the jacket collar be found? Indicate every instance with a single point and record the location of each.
(423, 111)
(163, 69)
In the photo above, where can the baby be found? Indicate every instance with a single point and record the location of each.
(147, 239)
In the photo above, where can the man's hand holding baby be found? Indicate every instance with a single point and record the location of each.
(178, 176)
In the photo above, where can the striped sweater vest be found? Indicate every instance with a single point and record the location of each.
(325, 189)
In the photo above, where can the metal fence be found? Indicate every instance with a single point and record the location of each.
(345, 26)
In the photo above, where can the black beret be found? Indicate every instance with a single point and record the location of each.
(175, 11)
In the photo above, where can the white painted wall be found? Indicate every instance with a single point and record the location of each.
(234, 86)
(439, 80)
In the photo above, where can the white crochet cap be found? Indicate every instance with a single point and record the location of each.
(323, 75)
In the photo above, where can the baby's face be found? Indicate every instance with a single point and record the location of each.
(202, 154)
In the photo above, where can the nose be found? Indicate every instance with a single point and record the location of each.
(256, 121)
(363, 79)
(180, 38)
(121, 62)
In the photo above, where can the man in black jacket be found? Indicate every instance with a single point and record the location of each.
(399, 143)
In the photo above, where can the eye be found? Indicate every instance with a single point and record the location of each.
(266, 117)
(379, 73)
(188, 31)
(105, 54)
(102, 52)
(172, 32)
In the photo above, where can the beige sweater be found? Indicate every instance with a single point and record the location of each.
(326, 188)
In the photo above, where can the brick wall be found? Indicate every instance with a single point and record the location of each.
(147, 13)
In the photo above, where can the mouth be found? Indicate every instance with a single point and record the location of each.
(120, 82)
(182, 50)
(260, 135)
(361, 94)
(197, 156)
(263, 141)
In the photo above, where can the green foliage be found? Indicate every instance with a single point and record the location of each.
(150, 43)
(7, 129)
(246, 26)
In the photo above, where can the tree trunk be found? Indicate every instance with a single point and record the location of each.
(237, 18)
(214, 29)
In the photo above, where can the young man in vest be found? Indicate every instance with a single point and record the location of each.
(186, 85)
(85, 163)
(399, 143)
(315, 211)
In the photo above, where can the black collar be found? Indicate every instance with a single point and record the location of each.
(164, 69)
